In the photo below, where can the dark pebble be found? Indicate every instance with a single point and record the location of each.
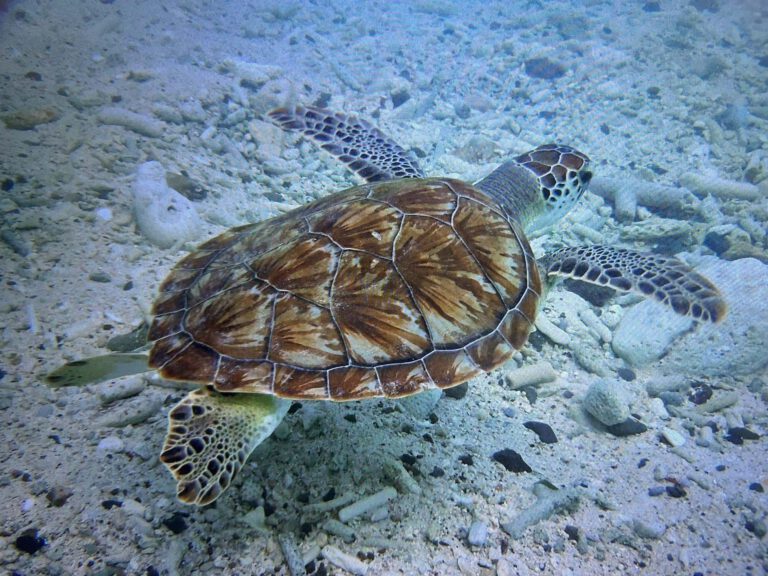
(176, 523)
(653, 92)
(322, 100)
(408, 459)
(330, 495)
(511, 460)
(544, 68)
(530, 394)
(543, 431)
(457, 392)
(756, 487)
(643, 462)
(605, 129)
(34, 76)
(717, 242)
(462, 111)
(651, 7)
(738, 435)
(350, 418)
(572, 531)
(626, 374)
(720, 467)
(400, 97)
(509, 412)
(700, 393)
(186, 186)
(102, 277)
(29, 541)
(152, 571)
(763, 61)
(128, 285)
(467, 459)
(7, 185)
(629, 427)
(676, 491)
(656, 490)
(437, 472)
(109, 504)
(58, 495)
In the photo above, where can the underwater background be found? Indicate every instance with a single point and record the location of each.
(517, 473)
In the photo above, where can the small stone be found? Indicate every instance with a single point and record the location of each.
(626, 374)
(512, 461)
(400, 97)
(738, 434)
(607, 401)
(101, 277)
(656, 491)
(457, 392)
(542, 430)
(110, 444)
(28, 119)
(648, 530)
(544, 68)
(676, 491)
(756, 487)
(176, 522)
(462, 110)
(478, 533)
(700, 393)
(629, 427)
(651, 7)
(29, 541)
(757, 527)
(672, 437)
(58, 495)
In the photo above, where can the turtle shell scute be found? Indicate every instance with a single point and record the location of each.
(386, 289)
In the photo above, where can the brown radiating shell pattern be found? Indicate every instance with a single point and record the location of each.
(385, 289)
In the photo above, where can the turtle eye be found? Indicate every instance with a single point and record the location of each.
(585, 176)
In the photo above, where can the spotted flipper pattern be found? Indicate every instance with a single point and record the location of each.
(365, 150)
(211, 435)
(663, 278)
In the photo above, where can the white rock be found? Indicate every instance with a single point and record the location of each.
(732, 347)
(647, 331)
(607, 401)
(478, 533)
(163, 215)
(110, 444)
(674, 437)
(736, 345)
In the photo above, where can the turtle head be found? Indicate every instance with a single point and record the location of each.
(563, 175)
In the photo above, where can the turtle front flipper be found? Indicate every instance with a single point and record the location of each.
(365, 150)
(210, 436)
(97, 369)
(663, 278)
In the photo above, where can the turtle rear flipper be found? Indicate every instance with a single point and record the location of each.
(663, 278)
(210, 436)
(97, 369)
(366, 150)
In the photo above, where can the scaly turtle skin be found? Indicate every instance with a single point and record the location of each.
(401, 285)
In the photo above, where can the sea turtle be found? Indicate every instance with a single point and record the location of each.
(400, 285)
